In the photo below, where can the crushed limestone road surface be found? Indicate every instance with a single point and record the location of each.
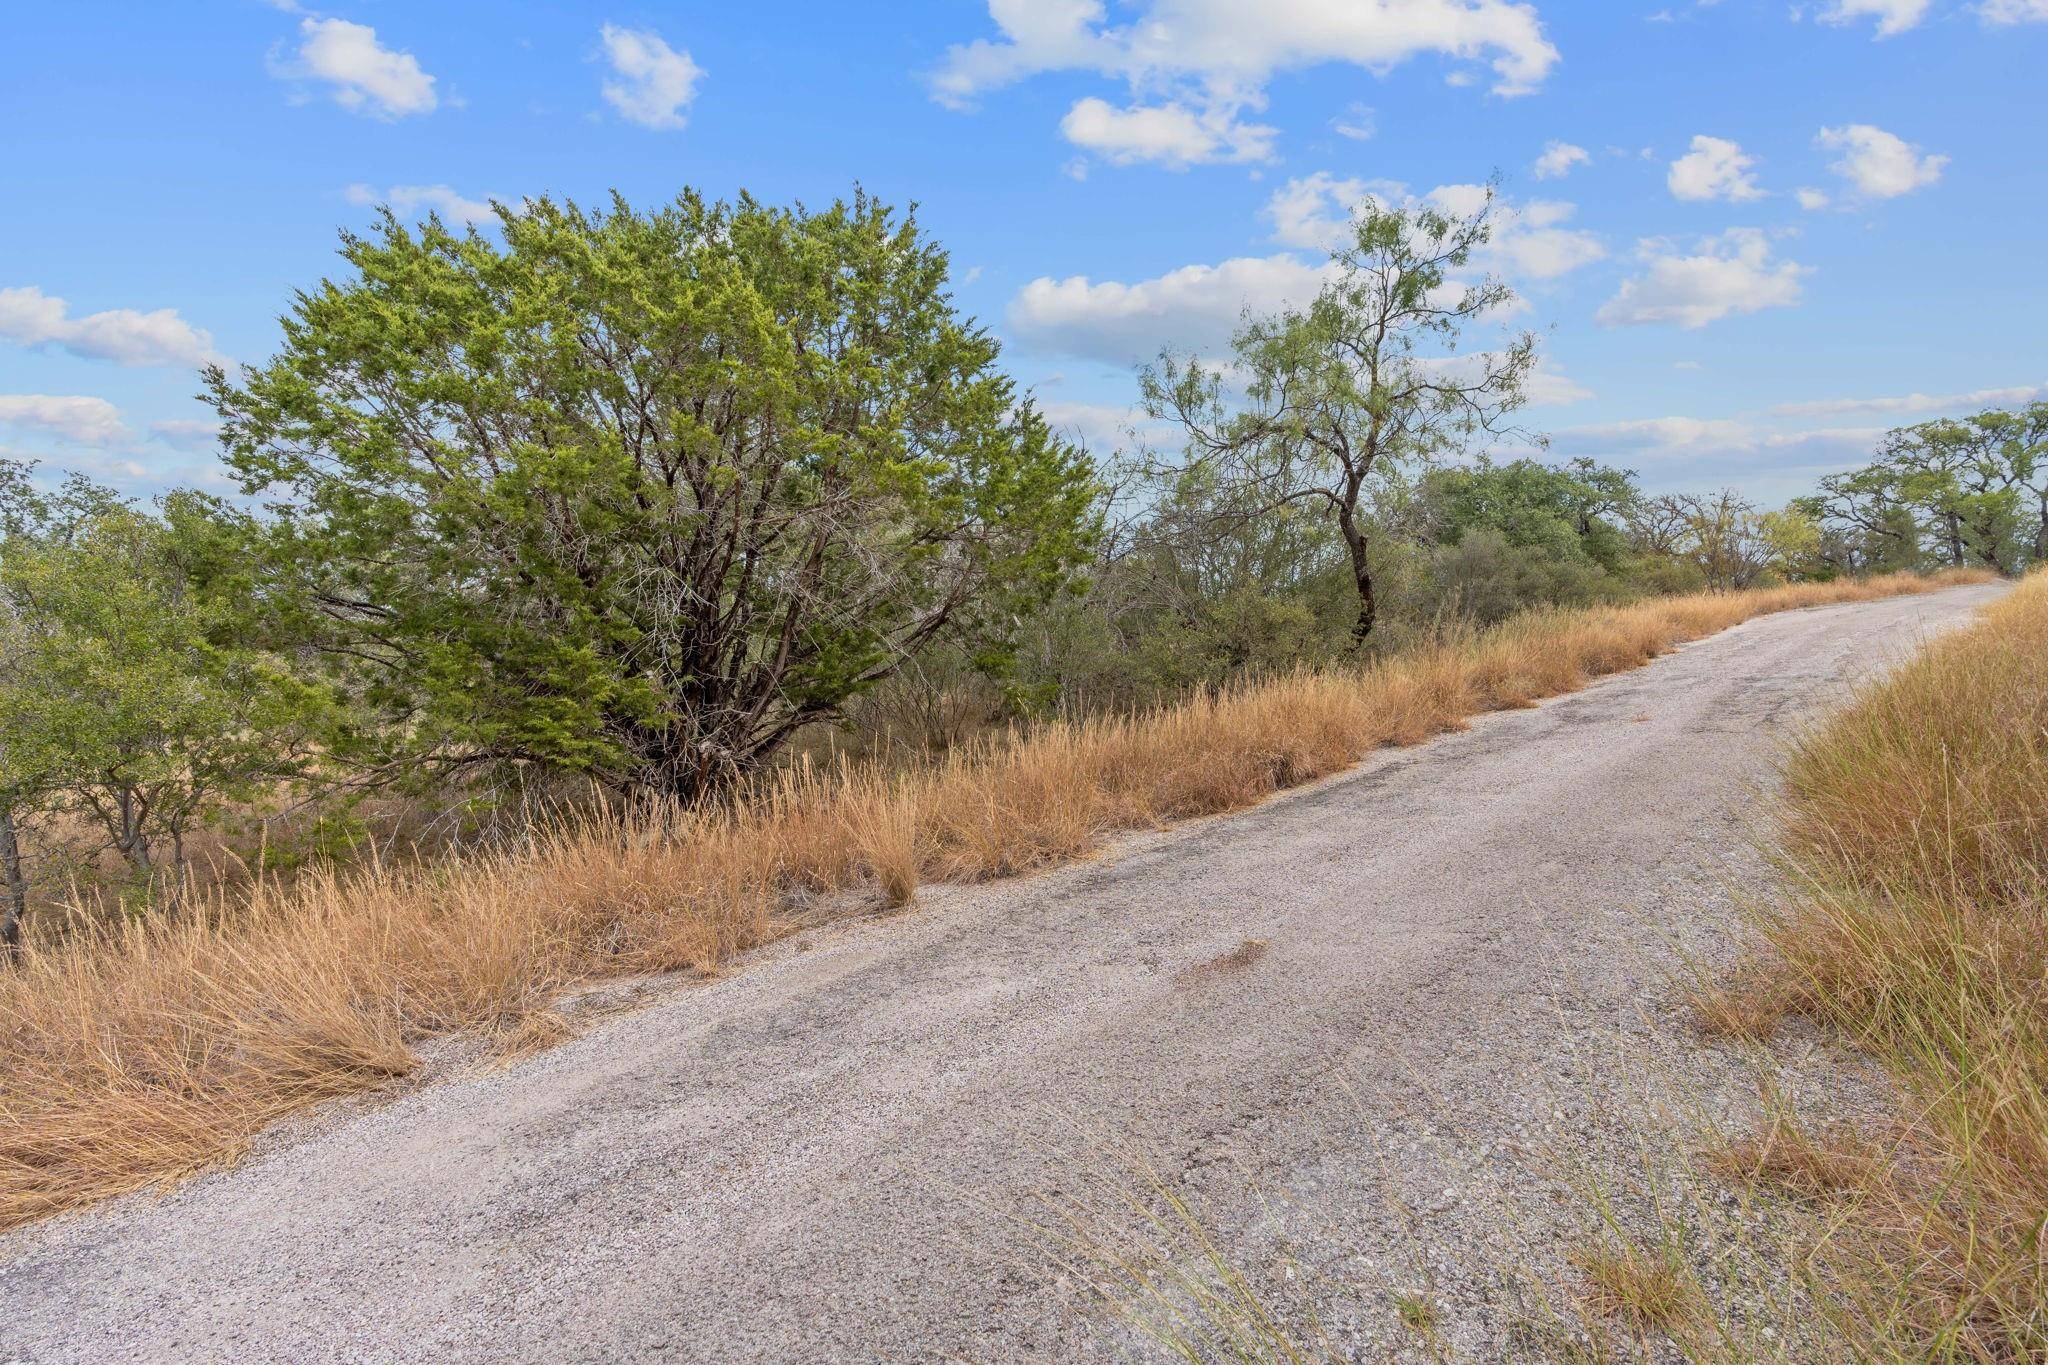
(813, 1159)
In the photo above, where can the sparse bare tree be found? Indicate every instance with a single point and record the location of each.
(1337, 396)
(1724, 535)
(1657, 525)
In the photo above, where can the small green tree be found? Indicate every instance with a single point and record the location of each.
(1337, 396)
(639, 494)
(129, 692)
(1792, 541)
(1723, 533)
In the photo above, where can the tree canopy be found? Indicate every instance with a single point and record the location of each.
(132, 692)
(639, 494)
(1972, 489)
(1336, 396)
(1573, 512)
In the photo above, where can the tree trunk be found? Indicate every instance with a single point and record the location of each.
(1361, 577)
(2041, 533)
(15, 908)
(131, 840)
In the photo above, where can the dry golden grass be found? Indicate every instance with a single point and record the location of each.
(1744, 1005)
(1648, 1289)
(1783, 1156)
(1917, 924)
(134, 1056)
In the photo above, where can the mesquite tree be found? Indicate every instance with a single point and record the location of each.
(639, 494)
(1318, 404)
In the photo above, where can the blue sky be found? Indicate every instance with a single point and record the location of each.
(1751, 234)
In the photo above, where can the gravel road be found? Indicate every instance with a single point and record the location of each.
(817, 1157)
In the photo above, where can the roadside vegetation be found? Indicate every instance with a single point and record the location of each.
(1916, 927)
(144, 1048)
(611, 591)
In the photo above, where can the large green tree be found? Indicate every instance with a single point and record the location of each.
(1966, 476)
(640, 493)
(2020, 439)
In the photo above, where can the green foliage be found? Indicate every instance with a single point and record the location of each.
(1568, 513)
(1967, 475)
(640, 494)
(1969, 490)
(1792, 542)
(1485, 577)
(1867, 525)
(1340, 396)
(128, 690)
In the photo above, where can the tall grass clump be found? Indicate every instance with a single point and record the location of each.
(134, 1055)
(1917, 924)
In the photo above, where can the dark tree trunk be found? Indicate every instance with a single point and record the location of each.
(131, 837)
(1361, 577)
(15, 909)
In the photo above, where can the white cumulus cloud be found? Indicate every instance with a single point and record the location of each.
(1172, 134)
(1715, 168)
(1975, 400)
(1544, 386)
(1717, 447)
(1735, 272)
(409, 200)
(1663, 434)
(29, 317)
(88, 421)
(362, 74)
(1216, 57)
(2013, 11)
(1892, 16)
(1878, 164)
(1100, 426)
(1195, 308)
(1529, 241)
(1313, 210)
(1548, 386)
(652, 83)
(1558, 159)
